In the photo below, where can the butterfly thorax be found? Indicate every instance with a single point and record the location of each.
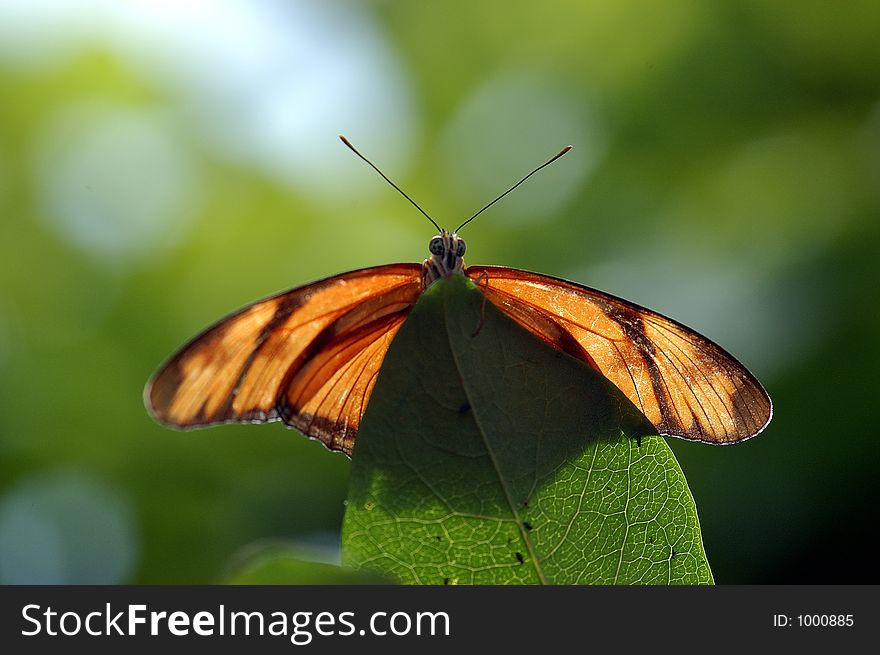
(447, 258)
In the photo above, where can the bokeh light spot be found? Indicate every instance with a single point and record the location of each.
(115, 182)
(65, 528)
(510, 124)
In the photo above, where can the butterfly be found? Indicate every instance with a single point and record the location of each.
(310, 356)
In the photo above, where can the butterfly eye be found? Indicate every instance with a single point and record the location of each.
(436, 246)
(460, 248)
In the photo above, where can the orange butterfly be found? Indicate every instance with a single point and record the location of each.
(310, 356)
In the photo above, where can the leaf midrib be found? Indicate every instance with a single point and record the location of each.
(533, 557)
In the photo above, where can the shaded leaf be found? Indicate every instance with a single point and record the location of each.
(285, 565)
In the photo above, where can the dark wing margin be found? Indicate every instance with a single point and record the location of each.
(308, 356)
(685, 384)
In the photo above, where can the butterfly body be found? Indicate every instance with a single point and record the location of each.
(310, 356)
(447, 257)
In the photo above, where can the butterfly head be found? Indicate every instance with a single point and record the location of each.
(447, 257)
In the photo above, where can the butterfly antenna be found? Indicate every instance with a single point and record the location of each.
(401, 191)
(546, 163)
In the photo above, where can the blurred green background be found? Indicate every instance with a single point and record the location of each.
(162, 164)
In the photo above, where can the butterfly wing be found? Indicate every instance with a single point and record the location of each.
(685, 384)
(308, 356)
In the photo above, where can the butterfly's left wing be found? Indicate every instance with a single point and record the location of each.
(685, 384)
(308, 356)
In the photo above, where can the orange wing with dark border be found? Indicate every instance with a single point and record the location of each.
(308, 357)
(685, 384)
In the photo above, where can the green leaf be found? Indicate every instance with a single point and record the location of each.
(282, 564)
(497, 459)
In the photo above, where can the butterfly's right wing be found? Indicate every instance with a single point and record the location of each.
(685, 384)
(308, 356)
